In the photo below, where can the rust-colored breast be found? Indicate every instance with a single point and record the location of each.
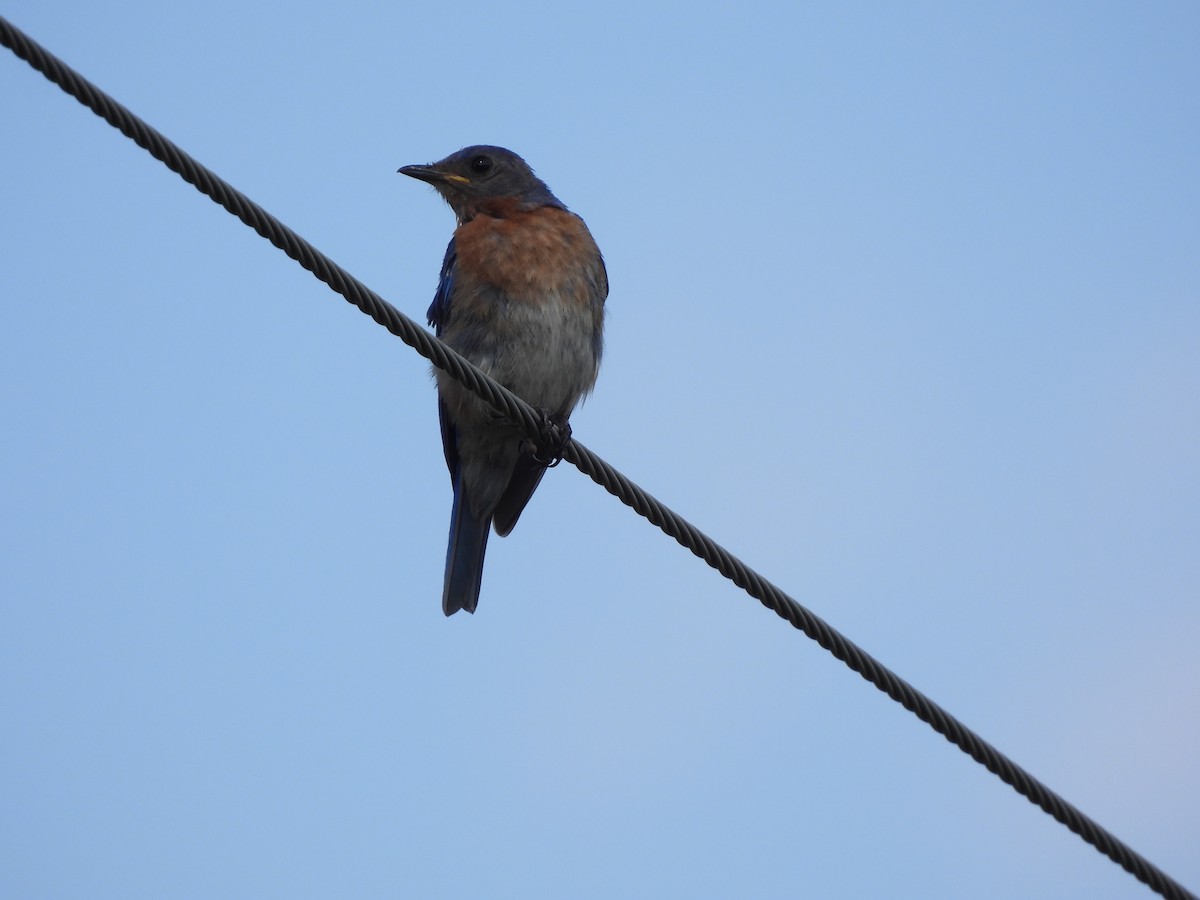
(530, 255)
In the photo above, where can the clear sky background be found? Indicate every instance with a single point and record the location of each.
(905, 311)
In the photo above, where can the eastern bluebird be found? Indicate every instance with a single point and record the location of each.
(521, 295)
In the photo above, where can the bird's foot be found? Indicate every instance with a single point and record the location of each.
(552, 440)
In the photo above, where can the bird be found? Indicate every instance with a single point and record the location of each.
(521, 294)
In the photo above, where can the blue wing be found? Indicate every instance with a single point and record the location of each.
(439, 309)
(438, 314)
(468, 535)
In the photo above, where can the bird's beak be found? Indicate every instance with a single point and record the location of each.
(432, 175)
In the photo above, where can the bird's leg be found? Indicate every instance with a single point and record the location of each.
(555, 434)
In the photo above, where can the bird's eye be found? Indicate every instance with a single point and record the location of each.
(480, 164)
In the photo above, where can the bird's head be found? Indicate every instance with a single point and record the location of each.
(485, 179)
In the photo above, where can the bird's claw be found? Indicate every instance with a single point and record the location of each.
(553, 437)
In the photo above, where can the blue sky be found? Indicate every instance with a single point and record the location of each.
(905, 311)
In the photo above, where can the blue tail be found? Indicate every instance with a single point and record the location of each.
(464, 557)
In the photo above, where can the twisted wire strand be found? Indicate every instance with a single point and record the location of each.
(533, 425)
